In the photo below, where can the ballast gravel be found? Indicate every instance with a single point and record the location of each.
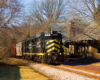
(57, 74)
(53, 73)
(91, 73)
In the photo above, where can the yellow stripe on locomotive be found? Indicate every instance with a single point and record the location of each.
(53, 44)
(52, 41)
(33, 54)
(51, 49)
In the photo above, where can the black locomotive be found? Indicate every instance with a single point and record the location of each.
(45, 47)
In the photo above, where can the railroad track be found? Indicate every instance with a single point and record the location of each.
(81, 71)
(85, 72)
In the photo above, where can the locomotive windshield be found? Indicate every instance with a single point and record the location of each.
(52, 37)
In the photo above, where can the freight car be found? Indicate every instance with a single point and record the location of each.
(13, 50)
(45, 47)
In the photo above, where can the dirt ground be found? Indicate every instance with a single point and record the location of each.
(85, 64)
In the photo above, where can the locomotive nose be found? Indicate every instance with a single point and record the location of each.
(52, 46)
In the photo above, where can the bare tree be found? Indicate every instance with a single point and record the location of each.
(88, 9)
(9, 12)
(48, 11)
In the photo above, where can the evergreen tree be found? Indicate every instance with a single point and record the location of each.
(49, 28)
(13, 40)
(27, 35)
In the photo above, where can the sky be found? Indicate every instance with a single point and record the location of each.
(26, 2)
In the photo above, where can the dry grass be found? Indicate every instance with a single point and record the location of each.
(6, 62)
(12, 70)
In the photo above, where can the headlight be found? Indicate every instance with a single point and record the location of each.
(51, 32)
(60, 53)
(48, 54)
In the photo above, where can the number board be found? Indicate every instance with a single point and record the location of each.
(47, 34)
(55, 35)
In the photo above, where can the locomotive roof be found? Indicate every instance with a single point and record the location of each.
(48, 32)
(45, 32)
(37, 36)
(28, 39)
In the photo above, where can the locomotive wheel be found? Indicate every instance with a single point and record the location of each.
(32, 58)
(49, 61)
(23, 57)
(46, 59)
